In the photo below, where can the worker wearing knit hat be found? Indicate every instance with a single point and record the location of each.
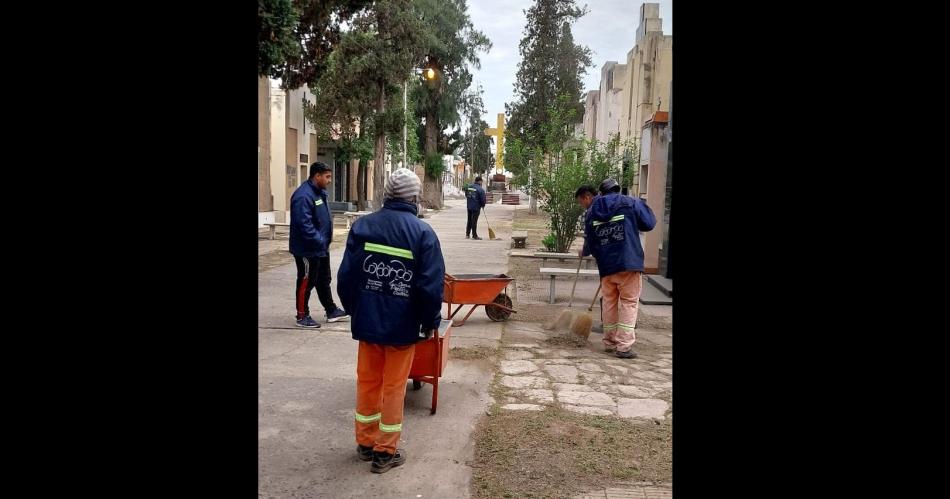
(403, 184)
(391, 280)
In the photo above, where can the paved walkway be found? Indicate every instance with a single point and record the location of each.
(633, 492)
(586, 380)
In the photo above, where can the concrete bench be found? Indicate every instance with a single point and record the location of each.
(554, 272)
(351, 216)
(519, 238)
(273, 228)
(544, 255)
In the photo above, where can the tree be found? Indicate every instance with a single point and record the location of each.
(295, 37)
(476, 146)
(548, 78)
(276, 35)
(555, 180)
(362, 75)
(572, 63)
(343, 109)
(394, 46)
(451, 45)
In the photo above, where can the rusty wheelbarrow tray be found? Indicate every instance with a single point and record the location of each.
(429, 361)
(475, 290)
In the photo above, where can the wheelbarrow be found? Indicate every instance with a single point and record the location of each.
(476, 290)
(429, 361)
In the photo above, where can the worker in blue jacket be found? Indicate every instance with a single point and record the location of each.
(391, 279)
(475, 199)
(612, 235)
(311, 232)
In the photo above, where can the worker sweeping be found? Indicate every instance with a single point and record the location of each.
(391, 279)
(612, 235)
(475, 201)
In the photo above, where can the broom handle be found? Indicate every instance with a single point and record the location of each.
(595, 297)
(579, 262)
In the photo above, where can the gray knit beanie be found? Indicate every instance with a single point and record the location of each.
(402, 184)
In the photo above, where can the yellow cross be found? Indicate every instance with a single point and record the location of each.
(499, 133)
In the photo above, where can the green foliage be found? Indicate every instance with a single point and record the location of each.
(296, 37)
(434, 165)
(553, 178)
(276, 39)
(354, 148)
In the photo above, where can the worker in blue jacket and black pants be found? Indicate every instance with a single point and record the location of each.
(475, 199)
(311, 232)
(391, 279)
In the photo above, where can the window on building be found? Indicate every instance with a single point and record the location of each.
(291, 177)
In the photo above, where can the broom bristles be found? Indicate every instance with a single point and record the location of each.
(582, 325)
(562, 321)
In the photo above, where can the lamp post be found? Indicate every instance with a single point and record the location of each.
(429, 74)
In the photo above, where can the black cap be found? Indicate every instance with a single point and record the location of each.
(609, 185)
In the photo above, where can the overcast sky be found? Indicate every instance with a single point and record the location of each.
(608, 30)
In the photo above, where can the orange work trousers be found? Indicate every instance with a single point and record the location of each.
(381, 375)
(621, 305)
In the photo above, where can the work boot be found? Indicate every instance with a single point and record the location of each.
(476, 238)
(365, 453)
(383, 461)
(629, 354)
(307, 321)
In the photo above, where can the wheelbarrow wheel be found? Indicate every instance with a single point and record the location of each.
(499, 314)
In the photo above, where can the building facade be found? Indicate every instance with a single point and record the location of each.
(286, 147)
(646, 88)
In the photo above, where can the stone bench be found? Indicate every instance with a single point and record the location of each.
(554, 272)
(273, 228)
(519, 238)
(544, 255)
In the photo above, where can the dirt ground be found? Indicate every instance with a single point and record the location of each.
(557, 453)
(473, 352)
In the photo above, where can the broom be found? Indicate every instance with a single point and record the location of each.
(564, 320)
(583, 322)
(491, 233)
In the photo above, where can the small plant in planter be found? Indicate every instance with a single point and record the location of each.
(549, 242)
